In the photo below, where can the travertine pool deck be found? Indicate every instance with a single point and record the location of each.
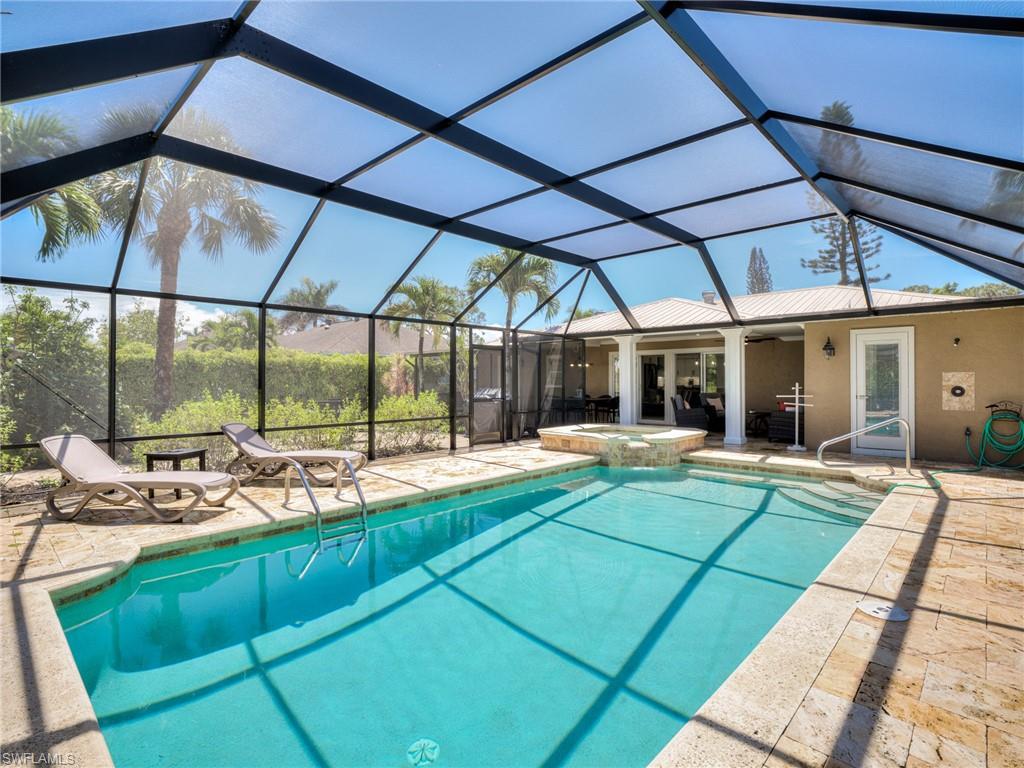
(827, 686)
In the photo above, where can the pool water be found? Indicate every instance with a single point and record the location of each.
(575, 620)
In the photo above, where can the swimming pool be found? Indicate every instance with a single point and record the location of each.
(578, 619)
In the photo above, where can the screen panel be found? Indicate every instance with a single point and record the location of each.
(555, 315)
(918, 274)
(807, 268)
(57, 125)
(55, 375)
(436, 177)
(996, 193)
(666, 288)
(596, 311)
(204, 233)
(994, 240)
(757, 209)
(455, 271)
(640, 89)
(528, 283)
(317, 369)
(184, 366)
(729, 162)
(542, 216)
(36, 23)
(611, 241)
(349, 259)
(948, 88)
(72, 235)
(439, 54)
(300, 128)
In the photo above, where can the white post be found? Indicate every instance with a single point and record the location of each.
(735, 386)
(627, 379)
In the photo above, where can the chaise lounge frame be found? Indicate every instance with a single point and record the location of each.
(260, 459)
(87, 470)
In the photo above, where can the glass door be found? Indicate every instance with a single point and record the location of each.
(881, 387)
(689, 377)
(652, 388)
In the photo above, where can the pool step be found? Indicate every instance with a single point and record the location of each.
(824, 506)
(854, 490)
(842, 497)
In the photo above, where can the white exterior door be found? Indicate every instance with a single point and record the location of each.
(882, 387)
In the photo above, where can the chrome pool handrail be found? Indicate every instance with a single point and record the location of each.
(872, 428)
(321, 539)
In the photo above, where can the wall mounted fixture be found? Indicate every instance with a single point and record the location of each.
(829, 349)
(956, 341)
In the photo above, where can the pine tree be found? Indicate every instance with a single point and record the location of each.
(759, 274)
(841, 155)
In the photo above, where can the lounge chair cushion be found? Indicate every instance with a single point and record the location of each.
(248, 440)
(322, 455)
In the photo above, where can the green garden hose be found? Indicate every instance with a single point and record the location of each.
(1004, 445)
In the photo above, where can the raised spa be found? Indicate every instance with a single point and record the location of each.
(632, 446)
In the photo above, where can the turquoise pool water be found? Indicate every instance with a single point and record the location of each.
(577, 620)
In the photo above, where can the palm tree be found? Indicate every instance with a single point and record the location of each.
(307, 294)
(422, 297)
(68, 215)
(531, 275)
(180, 203)
(237, 330)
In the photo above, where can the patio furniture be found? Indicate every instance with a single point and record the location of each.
(87, 469)
(261, 459)
(606, 409)
(782, 427)
(714, 404)
(175, 456)
(688, 416)
(757, 422)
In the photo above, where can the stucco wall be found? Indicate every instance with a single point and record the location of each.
(991, 345)
(772, 367)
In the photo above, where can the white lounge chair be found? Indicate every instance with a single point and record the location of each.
(88, 470)
(261, 459)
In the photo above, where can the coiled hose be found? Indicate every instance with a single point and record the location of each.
(1005, 445)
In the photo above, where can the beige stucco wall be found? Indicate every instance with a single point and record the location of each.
(772, 367)
(991, 345)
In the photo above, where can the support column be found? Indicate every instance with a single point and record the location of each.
(735, 385)
(627, 379)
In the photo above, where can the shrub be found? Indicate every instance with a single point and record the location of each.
(411, 436)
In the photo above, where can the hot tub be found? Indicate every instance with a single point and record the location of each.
(632, 446)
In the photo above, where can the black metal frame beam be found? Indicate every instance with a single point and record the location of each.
(39, 72)
(613, 294)
(553, 295)
(944, 22)
(576, 304)
(851, 225)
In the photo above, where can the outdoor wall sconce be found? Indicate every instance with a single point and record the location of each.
(829, 349)
(956, 341)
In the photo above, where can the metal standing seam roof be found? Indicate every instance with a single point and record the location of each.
(390, 144)
(676, 312)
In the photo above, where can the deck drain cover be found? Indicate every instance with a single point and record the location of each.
(423, 752)
(882, 610)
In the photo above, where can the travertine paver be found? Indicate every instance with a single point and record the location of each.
(830, 686)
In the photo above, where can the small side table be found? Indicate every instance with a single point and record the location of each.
(175, 455)
(757, 421)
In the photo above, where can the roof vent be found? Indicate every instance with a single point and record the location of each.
(708, 296)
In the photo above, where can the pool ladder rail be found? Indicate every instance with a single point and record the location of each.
(334, 536)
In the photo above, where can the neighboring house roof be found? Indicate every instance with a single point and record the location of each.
(352, 336)
(672, 312)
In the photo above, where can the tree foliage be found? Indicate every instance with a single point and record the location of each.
(982, 290)
(312, 294)
(759, 274)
